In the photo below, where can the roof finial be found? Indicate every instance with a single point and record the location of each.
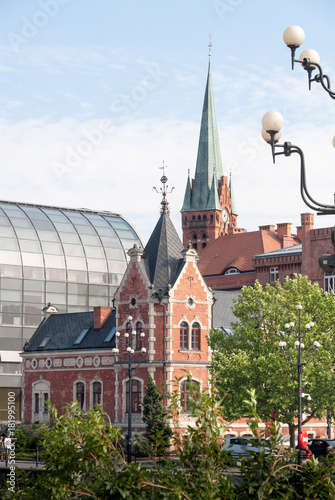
(210, 36)
(164, 191)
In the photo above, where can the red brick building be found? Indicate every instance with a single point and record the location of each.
(163, 303)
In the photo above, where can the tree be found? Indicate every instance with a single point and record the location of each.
(155, 418)
(250, 358)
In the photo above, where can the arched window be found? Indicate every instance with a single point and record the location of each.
(139, 330)
(80, 394)
(204, 236)
(204, 217)
(194, 236)
(135, 396)
(195, 339)
(96, 393)
(204, 245)
(183, 335)
(195, 246)
(189, 389)
(199, 217)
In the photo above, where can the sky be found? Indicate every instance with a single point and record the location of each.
(95, 95)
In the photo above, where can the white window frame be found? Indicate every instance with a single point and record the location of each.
(274, 274)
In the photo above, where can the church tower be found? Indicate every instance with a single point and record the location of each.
(209, 209)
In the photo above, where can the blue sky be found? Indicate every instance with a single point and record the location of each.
(95, 95)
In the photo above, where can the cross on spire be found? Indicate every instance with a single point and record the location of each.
(210, 36)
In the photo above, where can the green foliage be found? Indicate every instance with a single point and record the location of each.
(158, 431)
(251, 358)
(200, 470)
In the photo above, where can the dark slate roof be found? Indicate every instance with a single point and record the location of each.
(64, 329)
(282, 252)
(223, 315)
(163, 253)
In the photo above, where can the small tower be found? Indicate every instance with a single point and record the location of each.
(208, 210)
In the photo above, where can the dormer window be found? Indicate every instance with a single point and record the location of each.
(81, 336)
(45, 341)
(232, 270)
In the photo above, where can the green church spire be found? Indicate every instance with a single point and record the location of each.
(233, 204)
(209, 165)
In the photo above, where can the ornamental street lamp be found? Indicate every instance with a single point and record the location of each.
(132, 348)
(272, 127)
(300, 346)
(309, 59)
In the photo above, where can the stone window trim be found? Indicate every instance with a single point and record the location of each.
(124, 394)
(182, 392)
(190, 334)
(40, 394)
(79, 380)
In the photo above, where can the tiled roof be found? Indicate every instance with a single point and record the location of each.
(64, 329)
(223, 315)
(163, 253)
(236, 250)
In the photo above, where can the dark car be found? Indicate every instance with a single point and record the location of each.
(322, 447)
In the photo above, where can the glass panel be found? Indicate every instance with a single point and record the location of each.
(56, 286)
(11, 314)
(37, 297)
(33, 272)
(33, 286)
(52, 248)
(86, 230)
(34, 213)
(117, 267)
(10, 257)
(9, 244)
(115, 254)
(98, 301)
(54, 261)
(7, 232)
(32, 309)
(55, 215)
(55, 298)
(73, 250)
(43, 224)
(32, 319)
(108, 232)
(4, 221)
(13, 211)
(11, 307)
(55, 274)
(78, 220)
(97, 265)
(11, 332)
(21, 223)
(97, 278)
(78, 300)
(110, 242)
(66, 228)
(30, 246)
(26, 234)
(69, 238)
(73, 309)
(94, 252)
(76, 263)
(99, 291)
(47, 235)
(90, 240)
(11, 284)
(97, 220)
(32, 259)
(78, 289)
(77, 276)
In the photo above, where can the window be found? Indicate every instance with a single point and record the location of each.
(81, 336)
(37, 403)
(188, 393)
(135, 396)
(139, 330)
(110, 335)
(232, 270)
(329, 283)
(195, 339)
(96, 393)
(184, 335)
(194, 236)
(45, 340)
(46, 398)
(274, 274)
(80, 394)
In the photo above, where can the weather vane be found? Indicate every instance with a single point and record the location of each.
(164, 190)
(210, 36)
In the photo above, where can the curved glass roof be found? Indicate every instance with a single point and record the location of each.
(64, 244)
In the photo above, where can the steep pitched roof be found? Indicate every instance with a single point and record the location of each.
(233, 204)
(163, 253)
(208, 159)
(64, 329)
(236, 250)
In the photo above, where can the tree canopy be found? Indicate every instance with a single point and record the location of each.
(251, 358)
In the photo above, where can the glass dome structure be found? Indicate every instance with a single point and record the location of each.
(74, 259)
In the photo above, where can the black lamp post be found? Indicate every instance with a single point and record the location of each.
(272, 128)
(309, 59)
(299, 364)
(132, 365)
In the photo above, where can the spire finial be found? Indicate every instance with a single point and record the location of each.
(210, 36)
(164, 191)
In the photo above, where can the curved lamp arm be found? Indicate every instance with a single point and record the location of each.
(309, 66)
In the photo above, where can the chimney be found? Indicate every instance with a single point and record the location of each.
(299, 232)
(284, 229)
(100, 315)
(266, 228)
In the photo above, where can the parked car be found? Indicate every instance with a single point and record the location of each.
(246, 446)
(322, 447)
